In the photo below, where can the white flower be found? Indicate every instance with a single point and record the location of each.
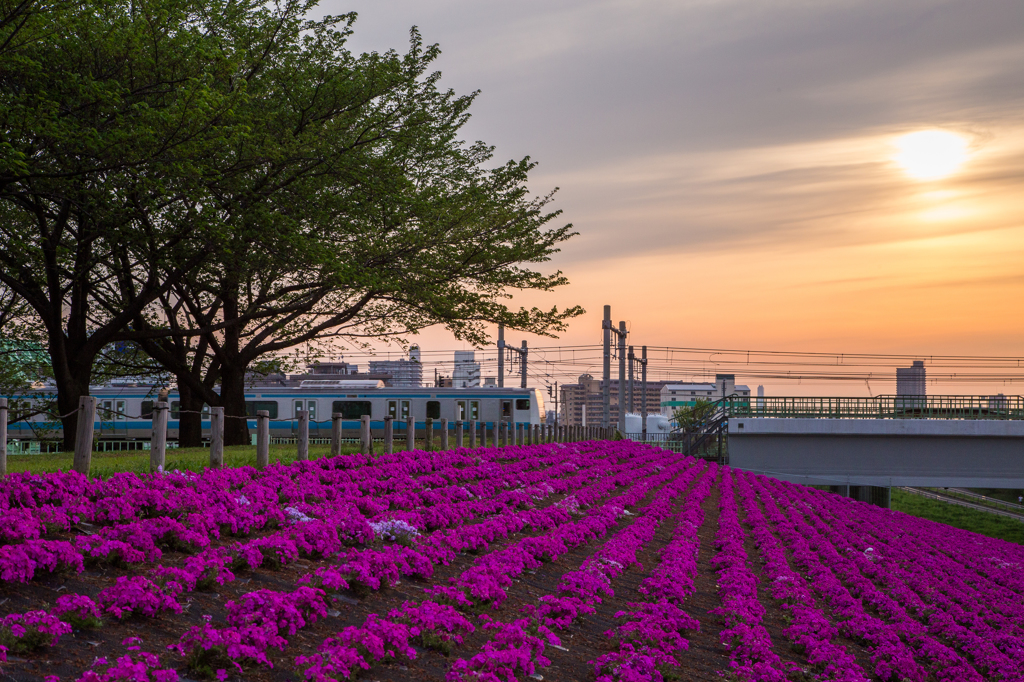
(296, 515)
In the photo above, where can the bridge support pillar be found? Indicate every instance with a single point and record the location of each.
(880, 496)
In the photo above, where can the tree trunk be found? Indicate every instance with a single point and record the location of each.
(190, 426)
(72, 380)
(69, 392)
(232, 396)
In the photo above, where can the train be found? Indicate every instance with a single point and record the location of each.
(124, 411)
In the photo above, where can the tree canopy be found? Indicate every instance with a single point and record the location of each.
(217, 182)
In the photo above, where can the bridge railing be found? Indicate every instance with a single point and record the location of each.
(879, 407)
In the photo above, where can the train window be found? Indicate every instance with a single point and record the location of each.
(120, 407)
(522, 403)
(147, 409)
(106, 411)
(254, 406)
(460, 410)
(175, 409)
(433, 409)
(474, 410)
(311, 406)
(352, 409)
(506, 409)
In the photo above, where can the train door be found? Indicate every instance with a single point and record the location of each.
(467, 410)
(398, 409)
(522, 411)
(299, 405)
(309, 405)
(506, 411)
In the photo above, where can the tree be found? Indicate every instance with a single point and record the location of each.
(216, 182)
(692, 418)
(109, 115)
(370, 219)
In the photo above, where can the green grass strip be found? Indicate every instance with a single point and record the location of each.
(974, 520)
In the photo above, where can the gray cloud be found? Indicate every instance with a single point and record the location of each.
(658, 119)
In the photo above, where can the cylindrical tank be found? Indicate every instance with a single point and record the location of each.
(656, 423)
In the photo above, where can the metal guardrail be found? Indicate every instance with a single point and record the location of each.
(921, 492)
(879, 407)
(982, 499)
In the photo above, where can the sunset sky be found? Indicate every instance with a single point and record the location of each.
(747, 175)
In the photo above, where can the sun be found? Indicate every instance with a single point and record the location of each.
(931, 154)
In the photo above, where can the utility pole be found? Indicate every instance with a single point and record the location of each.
(606, 325)
(606, 397)
(501, 355)
(523, 352)
(622, 376)
(555, 397)
(630, 359)
(643, 394)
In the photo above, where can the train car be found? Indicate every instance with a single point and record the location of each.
(124, 411)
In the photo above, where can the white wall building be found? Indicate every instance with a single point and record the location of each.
(404, 373)
(674, 396)
(466, 373)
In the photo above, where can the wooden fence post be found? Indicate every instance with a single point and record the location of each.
(216, 437)
(303, 449)
(335, 434)
(262, 439)
(365, 436)
(389, 435)
(3, 436)
(444, 435)
(157, 442)
(458, 433)
(410, 432)
(429, 435)
(472, 433)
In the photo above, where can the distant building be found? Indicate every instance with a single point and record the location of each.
(323, 368)
(587, 397)
(675, 396)
(340, 370)
(467, 371)
(911, 380)
(404, 373)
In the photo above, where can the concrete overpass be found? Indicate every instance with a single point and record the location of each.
(864, 446)
(881, 452)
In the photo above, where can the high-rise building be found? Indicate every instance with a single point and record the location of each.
(404, 373)
(467, 371)
(911, 380)
(588, 392)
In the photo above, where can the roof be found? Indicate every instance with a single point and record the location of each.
(699, 387)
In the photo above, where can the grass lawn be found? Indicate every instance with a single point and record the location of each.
(187, 459)
(974, 520)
